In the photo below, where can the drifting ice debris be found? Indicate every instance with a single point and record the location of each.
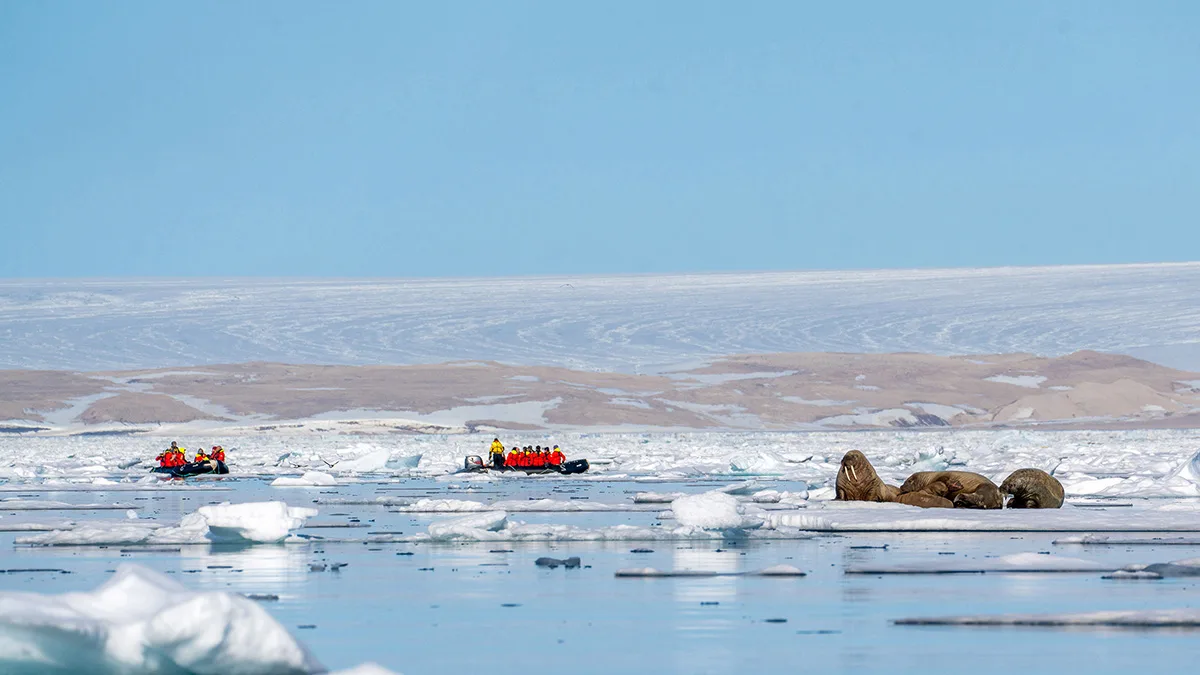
(569, 563)
(255, 522)
(650, 573)
(141, 622)
(1160, 618)
(309, 479)
(713, 511)
(366, 669)
(1015, 563)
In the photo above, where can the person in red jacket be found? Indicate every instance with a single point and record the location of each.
(218, 453)
(511, 460)
(557, 457)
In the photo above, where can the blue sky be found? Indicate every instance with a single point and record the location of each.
(496, 138)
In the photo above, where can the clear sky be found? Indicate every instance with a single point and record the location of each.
(495, 138)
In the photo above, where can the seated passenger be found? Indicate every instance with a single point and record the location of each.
(200, 456)
(557, 457)
(218, 453)
(511, 460)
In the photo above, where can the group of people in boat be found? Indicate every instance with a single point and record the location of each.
(176, 456)
(529, 457)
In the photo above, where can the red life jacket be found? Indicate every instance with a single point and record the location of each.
(557, 458)
(219, 455)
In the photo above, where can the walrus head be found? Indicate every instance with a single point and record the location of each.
(1033, 489)
(857, 480)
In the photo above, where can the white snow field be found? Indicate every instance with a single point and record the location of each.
(626, 323)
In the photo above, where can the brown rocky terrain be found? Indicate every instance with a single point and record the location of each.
(758, 391)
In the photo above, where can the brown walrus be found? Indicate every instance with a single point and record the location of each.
(932, 497)
(858, 482)
(1033, 489)
(965, 489)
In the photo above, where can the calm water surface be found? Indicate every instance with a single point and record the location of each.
(486, 608)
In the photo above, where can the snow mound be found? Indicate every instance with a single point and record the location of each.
(712, 511)
(142, 622)
(309, 479)
(256, 522)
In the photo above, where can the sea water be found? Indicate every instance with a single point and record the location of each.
(457, 607)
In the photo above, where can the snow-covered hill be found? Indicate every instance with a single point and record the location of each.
(630, 324)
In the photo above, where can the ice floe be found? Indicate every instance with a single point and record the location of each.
(250, 523)
(497, 526)
(1014, 563)
(309, 479)
(833, 516)
(713, 511)
(140, 621)
(1143, 618)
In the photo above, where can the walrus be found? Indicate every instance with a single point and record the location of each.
(965, 489)
(858, 482)
(933, 496)
(1032, 489)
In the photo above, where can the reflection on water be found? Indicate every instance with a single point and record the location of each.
(250, 569)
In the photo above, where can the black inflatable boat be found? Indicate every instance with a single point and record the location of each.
(474, 463)
(193, 469)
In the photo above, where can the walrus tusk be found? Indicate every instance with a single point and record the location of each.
(852, 472)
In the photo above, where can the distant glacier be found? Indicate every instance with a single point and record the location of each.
(621, 323)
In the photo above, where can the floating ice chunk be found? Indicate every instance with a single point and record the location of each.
(823, 494)
(782, 571)
(426, 505)
(1155, 618)
(142, 622)
(495, 526)
(372, 461)
(657, 497)
(257, 522)
(712, 511)
(366, 669)
(468, 527)
(1017, 562)
(741, 489)
(309, 479)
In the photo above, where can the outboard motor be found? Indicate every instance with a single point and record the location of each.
(472, 463)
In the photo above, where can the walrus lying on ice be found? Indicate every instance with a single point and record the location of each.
(963, 488)
(933, 496)
(858, 482)
(1033, 489)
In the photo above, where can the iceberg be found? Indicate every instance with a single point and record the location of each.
(140, 621)
(255, 522)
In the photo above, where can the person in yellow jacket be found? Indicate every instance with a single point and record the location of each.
(497, 453)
